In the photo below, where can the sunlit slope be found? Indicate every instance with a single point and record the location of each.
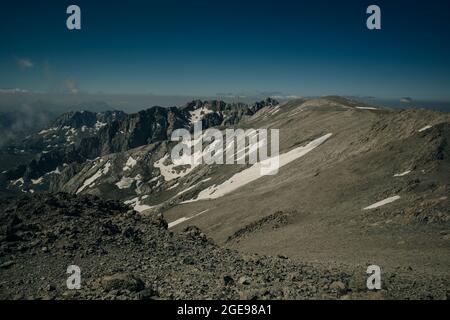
(375, 190)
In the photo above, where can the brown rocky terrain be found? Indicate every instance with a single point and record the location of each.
(125, 255)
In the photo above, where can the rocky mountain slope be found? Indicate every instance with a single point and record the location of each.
(376, 191)
(358, 184)
(76, 139)
(124, 255)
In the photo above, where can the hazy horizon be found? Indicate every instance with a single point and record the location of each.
(205, 49)
(136, 102)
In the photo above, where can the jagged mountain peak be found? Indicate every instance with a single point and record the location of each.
(78, 119)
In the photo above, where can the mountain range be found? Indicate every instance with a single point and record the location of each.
(358, 184)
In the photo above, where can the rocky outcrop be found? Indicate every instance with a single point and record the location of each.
(221, 113)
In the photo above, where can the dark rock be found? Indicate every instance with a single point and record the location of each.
(188, 260)
(228, 280)
(122, 281)
(148, 294)
(339, 286)
(50, 288)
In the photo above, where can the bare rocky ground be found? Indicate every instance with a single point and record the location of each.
(126, 255)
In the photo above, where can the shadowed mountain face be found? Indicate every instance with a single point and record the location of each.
(77, 138)
(358, 184)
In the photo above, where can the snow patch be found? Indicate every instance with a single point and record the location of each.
(382, 203)
(366, 108)
(295, 113)
(104, 170)
(18, 181)
(402, 174)
(99, 125)
(130, 164)
(425, 128)
(137, 205)
(253, 173)
(132, 201)
(192, 187)
(275, 110)
(181, 220)
(141, 207)
(138, 180)
(198, 114)
(37, 181)
(56, 171)
(174, 186)
(168, 171)
(47, 131)
(125, 183)
(154, 179)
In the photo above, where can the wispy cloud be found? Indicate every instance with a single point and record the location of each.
(70, 85)
(24, 63)
(13, 90)
(406, 100)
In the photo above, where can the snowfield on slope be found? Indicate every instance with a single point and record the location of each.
(127, 182)
(366, 108)
(253, 173)
(88, 182)
(402, 174)
(129, 164)
(382, 203)
(168, 171)
(183, 219)
(137, 205)
(425, 128)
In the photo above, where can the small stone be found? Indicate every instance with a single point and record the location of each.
(50, 288)
(292, 276)
(228, 280)
(244, 280)
(339, 286)
(148, 294)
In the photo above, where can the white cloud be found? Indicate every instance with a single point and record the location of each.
(24, 63)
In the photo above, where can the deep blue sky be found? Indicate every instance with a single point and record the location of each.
(208, 47)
